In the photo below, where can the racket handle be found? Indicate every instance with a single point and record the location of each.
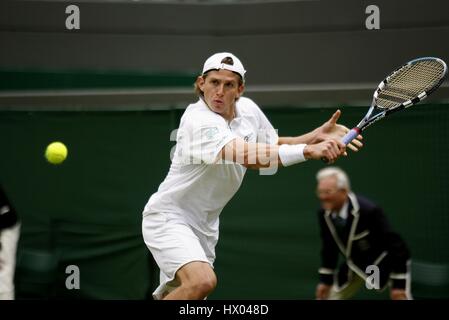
(354, 132)
(350, 135)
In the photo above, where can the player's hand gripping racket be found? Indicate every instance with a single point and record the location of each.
(403, 88)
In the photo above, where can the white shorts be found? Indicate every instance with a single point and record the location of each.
(173, 243)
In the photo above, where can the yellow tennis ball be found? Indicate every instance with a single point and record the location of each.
(56, 152)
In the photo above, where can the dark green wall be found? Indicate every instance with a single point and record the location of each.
(87, 211)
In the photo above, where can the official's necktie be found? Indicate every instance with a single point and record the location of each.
(340, 224)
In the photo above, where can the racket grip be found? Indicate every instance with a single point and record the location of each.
(354, 132)
(350, 135)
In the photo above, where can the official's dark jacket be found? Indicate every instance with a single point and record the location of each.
(366, 239)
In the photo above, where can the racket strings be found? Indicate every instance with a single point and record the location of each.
(409, 82)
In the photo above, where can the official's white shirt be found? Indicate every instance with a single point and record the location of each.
(198, 184)
(343, 212)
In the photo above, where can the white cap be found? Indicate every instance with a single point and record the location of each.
(214, 62)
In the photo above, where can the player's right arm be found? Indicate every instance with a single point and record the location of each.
(260, 155)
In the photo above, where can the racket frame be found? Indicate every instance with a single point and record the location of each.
(368, 120)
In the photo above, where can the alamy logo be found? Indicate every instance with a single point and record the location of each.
(73, 20)
(73, 280)
(198, 145)
(373, 277)
(372, 22)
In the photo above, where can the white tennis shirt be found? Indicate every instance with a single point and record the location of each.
(199, 184)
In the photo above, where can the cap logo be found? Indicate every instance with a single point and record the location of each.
(228, 60)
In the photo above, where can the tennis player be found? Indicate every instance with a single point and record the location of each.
(219, 137)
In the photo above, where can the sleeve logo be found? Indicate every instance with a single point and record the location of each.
(210, 133)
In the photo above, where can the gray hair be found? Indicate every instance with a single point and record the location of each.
(339, 174)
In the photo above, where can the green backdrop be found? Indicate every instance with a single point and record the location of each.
(87, 211)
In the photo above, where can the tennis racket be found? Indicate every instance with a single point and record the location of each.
(403, 88)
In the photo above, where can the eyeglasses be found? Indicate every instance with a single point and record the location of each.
(328, 192)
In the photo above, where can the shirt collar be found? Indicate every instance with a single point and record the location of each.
(344, 210)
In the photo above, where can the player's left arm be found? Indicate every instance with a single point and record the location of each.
(328, 130)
